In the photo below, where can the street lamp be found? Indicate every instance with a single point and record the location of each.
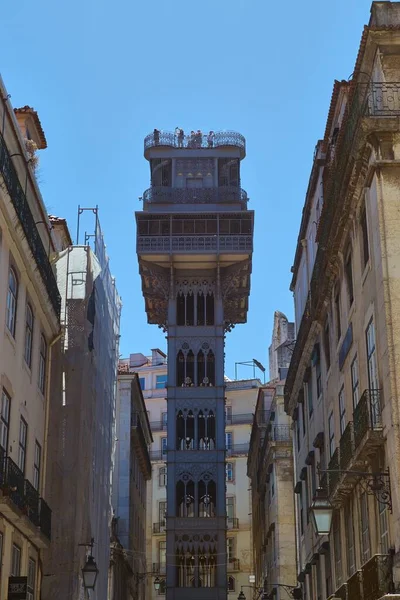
(157, 584)
(89, 573)
(321, 512)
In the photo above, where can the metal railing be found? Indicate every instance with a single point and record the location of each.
(279, 433)
(195, 243)
(158, 425)
(15, 483)
(158, 455)
(246, 418)
(237, 449)
(169, 138)
(342, 592)
(383, 99)
(367, 415)
(27, 221)
(346, 446)
(159, 528)
(32, 503)
(354, 589)
(210, 195)
(377, 577)
(232, 523)
(233, 564)
(159, 568)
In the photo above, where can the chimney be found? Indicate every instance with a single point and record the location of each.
(157, 357)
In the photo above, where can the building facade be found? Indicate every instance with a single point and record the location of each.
(194, 243)
(240, 397)
(341, 388)
(81, 419)
(270, 468)
(29, 349)
(132, 470)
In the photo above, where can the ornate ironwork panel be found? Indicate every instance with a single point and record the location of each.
(32, 503)
(195, 243)
(45, 518)
(220, 138)
(384, 99)
(377, 577)
(214, 195)
(27, 221)
(367, 415)
(354, 589)
(15, 483)
(346, 446)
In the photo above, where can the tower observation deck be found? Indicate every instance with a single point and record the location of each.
(194, 246)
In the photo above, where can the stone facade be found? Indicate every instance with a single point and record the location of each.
(341, 389)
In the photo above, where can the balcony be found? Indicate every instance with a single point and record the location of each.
(27, 221)
(342, 592)
(210, 195)
(159, 568)
(244, 419)
(158, 425)
(367, 418)
(383, 99)
(377, 577)
(279, 433)
(194, 243)
(21, 504)
(238, 449)
(354, 587)
(157, 455)
(346, 446)
(220, 139)
(233, 565)
(232, 523)
(159, 528)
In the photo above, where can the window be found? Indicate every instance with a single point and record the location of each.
(162, 512)
(4, 420)
(342, 410)
(354, 382)
(328, 574)
(383, 528)
(230, 507)
(298, 437)
(327, 347)
(272, 482)
(313, 478)
(164, 417)
(365, 542)
(162, 476)
(309, 385)
(16, 561)
(42, 363)
(31, 579)
(230, 549)
(303, 417)
(350, 542)
(338, 550)
(12, 298)
(228, 440)
(371, 357)
(231, 584)
(348, 269)
(364, 237)
(28, 335)
(337, 315)
(164, 445)
(228, 414)
(36, 465)
(142, 382)
(229, 471)
(162, 555)
(23, 430)
(331, 429)
(161, 381)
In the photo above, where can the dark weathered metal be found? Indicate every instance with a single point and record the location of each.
(342, 592)
(27, 221)
(195, 243)
(346, 446)
(45, 518)
(367, 415)
(15, 482)
(377, 577)
(237, 449)
(354, 587)
(220, 138)
(159, 528)
(212, 195)
(32, 503)
(158, 455)
(383, 99)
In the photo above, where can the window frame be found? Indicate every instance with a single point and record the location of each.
(372, 363)
(364, 528)
(22, 444)
(28, 342)
(355, 381)
(365, 249)
(231, 470)
(5, 419)
(31, 579)
(12, 301)
(42, 374)
(337, 549)
(348, 269)
(164, 445)
(37, 465)
(331, 433)
(163, 382)
(162, 477)
(15, 552)
(142, 387)
(342, 410)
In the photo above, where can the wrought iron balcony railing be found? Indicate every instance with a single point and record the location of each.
(160, 528)
(383, 99)
(342, 592)
(233, 564)
(195, 243)
(23, 494)
(158, 425)
(354, 587)
(220, 138)
(237, 449)
(367, 415)
(346, 446)
(280, 433)
(232, 523)
(27, 221)
(245, 418)
(377, 577)
(211, 195)
(158, 455)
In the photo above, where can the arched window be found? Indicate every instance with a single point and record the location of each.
(231, 584)
(185, 367)
(185, 430)
(210, 367)
(206, 497)
(180, 309)
(28, 335)
(162, 476)
(210, 309)
(180, 369)
(201, 309)
(42, 363)
(190, 367)
(201, 367)
(185, 497)
(206, 430)
(12, 299)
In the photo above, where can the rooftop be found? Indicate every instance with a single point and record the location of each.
(195, 140)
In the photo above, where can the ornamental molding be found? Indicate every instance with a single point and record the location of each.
(195, 523)
(196, 472)
(234, 278)
(190, 456)
(195, 344)
(185, 286)
(195, 405)
(194, 166)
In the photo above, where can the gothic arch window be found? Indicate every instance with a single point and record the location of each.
(206, 430)
(196, 567)
(180, 369)
(180, 309)
(190, 367)
(205, 308)
(210, 367)
(207, 493)
(185, 496)
(207, 562)
(185, 430)
(210, 309)
(201, 367)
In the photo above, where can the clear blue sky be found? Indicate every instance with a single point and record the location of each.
(103, 74)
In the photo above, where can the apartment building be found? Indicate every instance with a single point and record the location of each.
(29, 351)
(240, 401)
(341, 388)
